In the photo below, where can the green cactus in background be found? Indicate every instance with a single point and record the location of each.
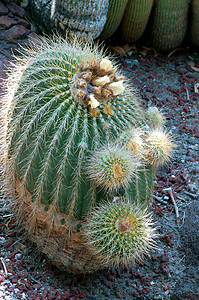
(114, 17)
(168, 23)
(135, 20)
(194, 23)
(72, 139)
(84, 18)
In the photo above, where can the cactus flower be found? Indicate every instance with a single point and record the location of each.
(117, 87)
(106, 64)
(101, 81)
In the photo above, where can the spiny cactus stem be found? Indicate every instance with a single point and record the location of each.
(43, 129)
(77, 171)
(112, 168)
(39, 112)
(159, 147)
(55, 140)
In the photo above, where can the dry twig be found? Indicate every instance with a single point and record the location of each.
(4, 266)
(187, 91)
(169, 191)
(160, 199)
(180, 198)
(190, 194)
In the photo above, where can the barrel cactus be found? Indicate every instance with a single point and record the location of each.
(162, 23)
(115, 14)
(135, 20)
(194, 23)
(76, 143)
(86, 18)
(168, 23)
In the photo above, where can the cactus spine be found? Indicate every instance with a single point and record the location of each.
(72, 136)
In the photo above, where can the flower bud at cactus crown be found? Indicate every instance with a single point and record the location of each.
(96, 83)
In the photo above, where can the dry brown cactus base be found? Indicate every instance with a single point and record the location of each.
(62, 241)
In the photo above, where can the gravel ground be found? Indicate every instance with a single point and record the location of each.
(171, 272)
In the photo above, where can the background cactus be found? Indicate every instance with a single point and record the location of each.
(114, 17)
(194, 23)
(66, 112)
(135, 20)
(86, 18)
(163, 24)
(168, 23)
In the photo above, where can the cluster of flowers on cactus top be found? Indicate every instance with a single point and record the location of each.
(96, 82)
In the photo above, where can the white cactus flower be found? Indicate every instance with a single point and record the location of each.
(105, 64)
(116, 87)
(93, 102)
(102, 80)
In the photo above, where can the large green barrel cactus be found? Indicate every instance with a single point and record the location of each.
(135, 20)
(75, 139)
(168, 23)
(194, 23)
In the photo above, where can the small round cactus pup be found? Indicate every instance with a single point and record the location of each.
(155, 117)
(133, 141)
(120, 232)
(112, 167)
(159, 147)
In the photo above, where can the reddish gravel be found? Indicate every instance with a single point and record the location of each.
(172, 270)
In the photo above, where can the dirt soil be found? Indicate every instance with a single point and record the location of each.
(172, 270)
